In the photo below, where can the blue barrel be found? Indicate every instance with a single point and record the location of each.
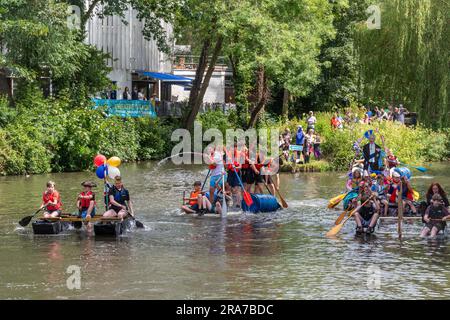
(404, 171)
(261, 203)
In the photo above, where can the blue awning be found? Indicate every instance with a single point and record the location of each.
(166, 77)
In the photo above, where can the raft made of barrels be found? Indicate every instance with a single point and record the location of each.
(111, 228)
(49, 226)
(262, 203)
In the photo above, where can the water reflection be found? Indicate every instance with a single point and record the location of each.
(278, 255)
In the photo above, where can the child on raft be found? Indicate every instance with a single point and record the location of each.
(86, 201)
(198, 203)
(366, 216)
(435, 217)
(51, 201)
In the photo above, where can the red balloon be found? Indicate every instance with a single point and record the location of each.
(99, 160)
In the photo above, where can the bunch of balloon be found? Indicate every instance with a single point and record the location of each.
(112, 164)
(107, 167)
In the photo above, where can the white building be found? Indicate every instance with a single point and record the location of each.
(130, 52)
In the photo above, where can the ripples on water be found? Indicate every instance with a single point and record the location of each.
(281, 255)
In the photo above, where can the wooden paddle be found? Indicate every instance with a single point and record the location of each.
(26, 220)
(337, 228)
(336, 200)
(400, 210)
(341, 217)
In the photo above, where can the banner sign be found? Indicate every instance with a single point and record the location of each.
(126, 108)
(294, 147)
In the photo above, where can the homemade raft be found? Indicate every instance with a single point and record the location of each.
(102, 226)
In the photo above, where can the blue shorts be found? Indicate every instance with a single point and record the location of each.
(84, 213)
(214, 179)
(194, 207)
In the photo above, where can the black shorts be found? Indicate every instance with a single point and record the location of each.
(440, 225)
(248, 176)
(233, 180)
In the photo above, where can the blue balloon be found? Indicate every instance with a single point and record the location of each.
(101, 171)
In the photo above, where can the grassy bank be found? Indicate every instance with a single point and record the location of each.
(39, 136)
(43, 135)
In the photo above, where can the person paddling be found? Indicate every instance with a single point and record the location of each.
(216, 165)
(435, 217)
(367, 215)
(118, 198)
(51, 201)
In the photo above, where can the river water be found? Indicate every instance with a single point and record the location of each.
(282, 255)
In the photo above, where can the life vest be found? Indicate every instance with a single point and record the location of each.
(211, 158)
(84, 203)
(393, 191)
(193, 195)
(120, 196)
(51, 198)
(233, 162)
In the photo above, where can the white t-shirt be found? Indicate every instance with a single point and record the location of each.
(218, 159)
(312, 120)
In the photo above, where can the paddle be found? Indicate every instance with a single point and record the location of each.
(337, 228)
(418, 168)
(224, 194)
(204, 182)
(341, 217)
(138, 223)
(247, 197)
(26, 220)
(336, 200)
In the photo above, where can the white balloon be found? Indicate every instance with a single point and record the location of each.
(113, 172)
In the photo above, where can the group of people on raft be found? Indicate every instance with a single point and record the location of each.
(232, 171)
(117, 200)
(377, 186)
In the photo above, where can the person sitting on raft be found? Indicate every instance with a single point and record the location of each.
(367, 215)
(219, 199)
(118, 197)
(51, 201)
(379, 188)
(86, 201)
(435, 188)
(408, 195)
(197, 201)
(353, 184)
(372, 156)
(435, 217)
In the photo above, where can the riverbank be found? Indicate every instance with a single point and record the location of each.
(46, 135)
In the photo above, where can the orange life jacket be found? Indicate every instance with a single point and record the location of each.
(193, 195)
(51, 198)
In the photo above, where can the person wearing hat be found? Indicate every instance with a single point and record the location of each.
(86, 201)
(119, 200)
(372, 156)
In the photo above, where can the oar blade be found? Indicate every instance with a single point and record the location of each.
(248, 198)
(422, 169)
(139, 224)
(25, 221)
(336, 200)
(335, 230)
(340, 218)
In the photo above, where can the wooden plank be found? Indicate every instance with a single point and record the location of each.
(76, 219)
(404, 218)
